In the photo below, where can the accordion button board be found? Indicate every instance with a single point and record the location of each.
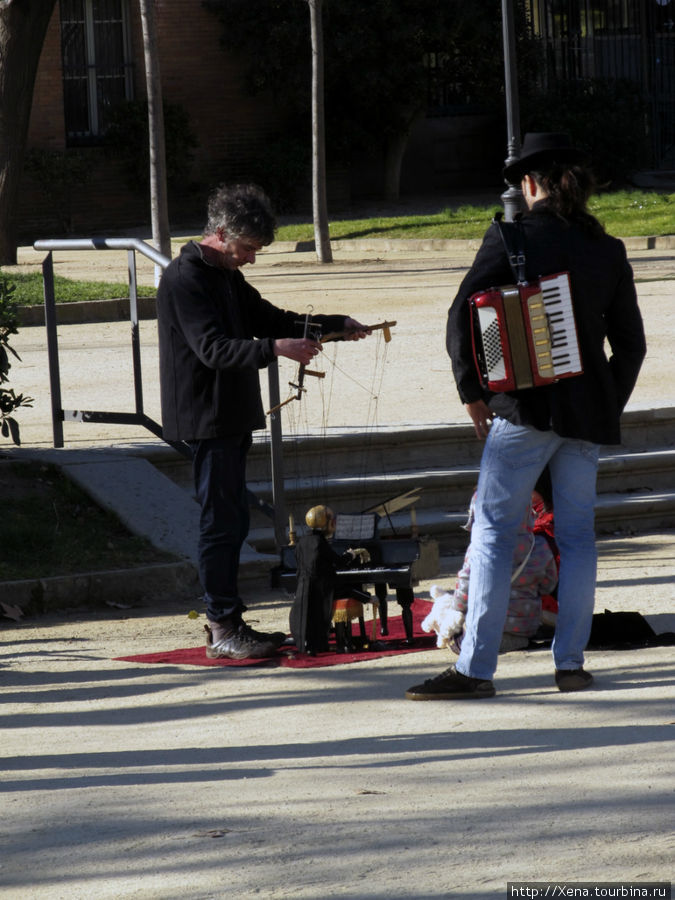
(525, 335)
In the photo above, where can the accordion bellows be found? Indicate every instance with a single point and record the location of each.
(524, 335)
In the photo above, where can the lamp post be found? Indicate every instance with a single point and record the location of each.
(512, 198)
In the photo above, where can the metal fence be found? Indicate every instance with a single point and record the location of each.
(631, 40)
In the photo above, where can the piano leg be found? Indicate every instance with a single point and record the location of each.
(343, 637)
(405, 597)
(362, 632)
(381, 594)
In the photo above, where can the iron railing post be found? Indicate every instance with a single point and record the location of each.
(52, 350)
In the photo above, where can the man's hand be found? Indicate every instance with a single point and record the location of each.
(354, 330)
(302, 350)
(481, 418)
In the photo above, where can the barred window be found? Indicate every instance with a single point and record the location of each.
(97, 68)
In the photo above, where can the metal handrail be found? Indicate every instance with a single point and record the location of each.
(105, 244)
(59, 415)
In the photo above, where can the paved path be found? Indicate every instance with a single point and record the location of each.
(408, 381)
(128, 781)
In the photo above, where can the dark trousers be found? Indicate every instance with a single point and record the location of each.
(219, 470)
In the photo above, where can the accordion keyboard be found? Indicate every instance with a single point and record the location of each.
(556, 295)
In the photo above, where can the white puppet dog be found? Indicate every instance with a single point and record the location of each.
(443, 617)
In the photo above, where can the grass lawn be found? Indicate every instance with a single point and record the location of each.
(623, 213)
(30, 289)
(51, 527)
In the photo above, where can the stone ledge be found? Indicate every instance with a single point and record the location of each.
(172, 581)
(87, 311)
(36, 596)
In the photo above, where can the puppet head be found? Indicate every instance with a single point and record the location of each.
(321, 519)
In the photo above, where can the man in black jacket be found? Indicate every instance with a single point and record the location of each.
(215, 333)
(560, 425)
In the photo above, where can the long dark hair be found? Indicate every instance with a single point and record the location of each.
(569, 188)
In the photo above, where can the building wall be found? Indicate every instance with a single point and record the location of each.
(46, 121)
(231, 127)
(196, 74)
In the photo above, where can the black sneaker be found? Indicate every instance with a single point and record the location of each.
(573, 679)
(237, 643)
(451, 685)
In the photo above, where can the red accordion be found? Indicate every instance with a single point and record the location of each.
(524, 335)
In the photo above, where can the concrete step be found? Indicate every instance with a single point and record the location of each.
(424, 448)
(636, 482)
(420, 447)
(450, 486)
(354, 452)
(615, 513)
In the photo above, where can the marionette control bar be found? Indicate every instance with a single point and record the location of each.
(385, 327)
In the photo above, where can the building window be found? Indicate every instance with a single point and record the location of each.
(97, 68)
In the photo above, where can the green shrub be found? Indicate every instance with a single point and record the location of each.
(9, 400)
(60, 174)
(284, 171)
(605, 117)
(127, 140)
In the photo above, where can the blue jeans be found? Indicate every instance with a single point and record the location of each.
(219, 470)
(513, 458)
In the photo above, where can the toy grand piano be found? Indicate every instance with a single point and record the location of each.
(396, 563)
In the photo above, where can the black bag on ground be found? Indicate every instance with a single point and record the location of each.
(625, 631)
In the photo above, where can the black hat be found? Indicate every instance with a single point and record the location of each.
(545, 147)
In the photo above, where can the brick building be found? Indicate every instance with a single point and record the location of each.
(92, 58)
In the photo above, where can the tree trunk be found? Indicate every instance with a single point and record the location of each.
(23, 26)
(324, 252)
(159, 205)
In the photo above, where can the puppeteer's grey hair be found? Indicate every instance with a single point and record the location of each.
(242, 211)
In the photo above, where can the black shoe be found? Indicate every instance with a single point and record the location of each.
(273, 637)
(236, 643)
(451, 685)
(572, 679)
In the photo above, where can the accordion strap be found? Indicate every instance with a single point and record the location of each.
(524, 561)
(514, 244)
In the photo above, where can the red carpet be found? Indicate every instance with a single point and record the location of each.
(390, 645)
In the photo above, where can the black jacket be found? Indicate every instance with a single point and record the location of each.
(215, 333)
(587, 406)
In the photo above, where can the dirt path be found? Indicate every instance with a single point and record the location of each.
(123, 780)
(368, 383)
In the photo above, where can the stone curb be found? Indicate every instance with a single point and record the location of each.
(88, 311)
(37, 596)
(120, 588)
(448, 245)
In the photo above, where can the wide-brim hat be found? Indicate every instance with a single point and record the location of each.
(543, 148)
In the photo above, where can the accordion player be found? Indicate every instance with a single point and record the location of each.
(524, 335)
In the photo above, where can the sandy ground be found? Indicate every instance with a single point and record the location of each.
(124, 780)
